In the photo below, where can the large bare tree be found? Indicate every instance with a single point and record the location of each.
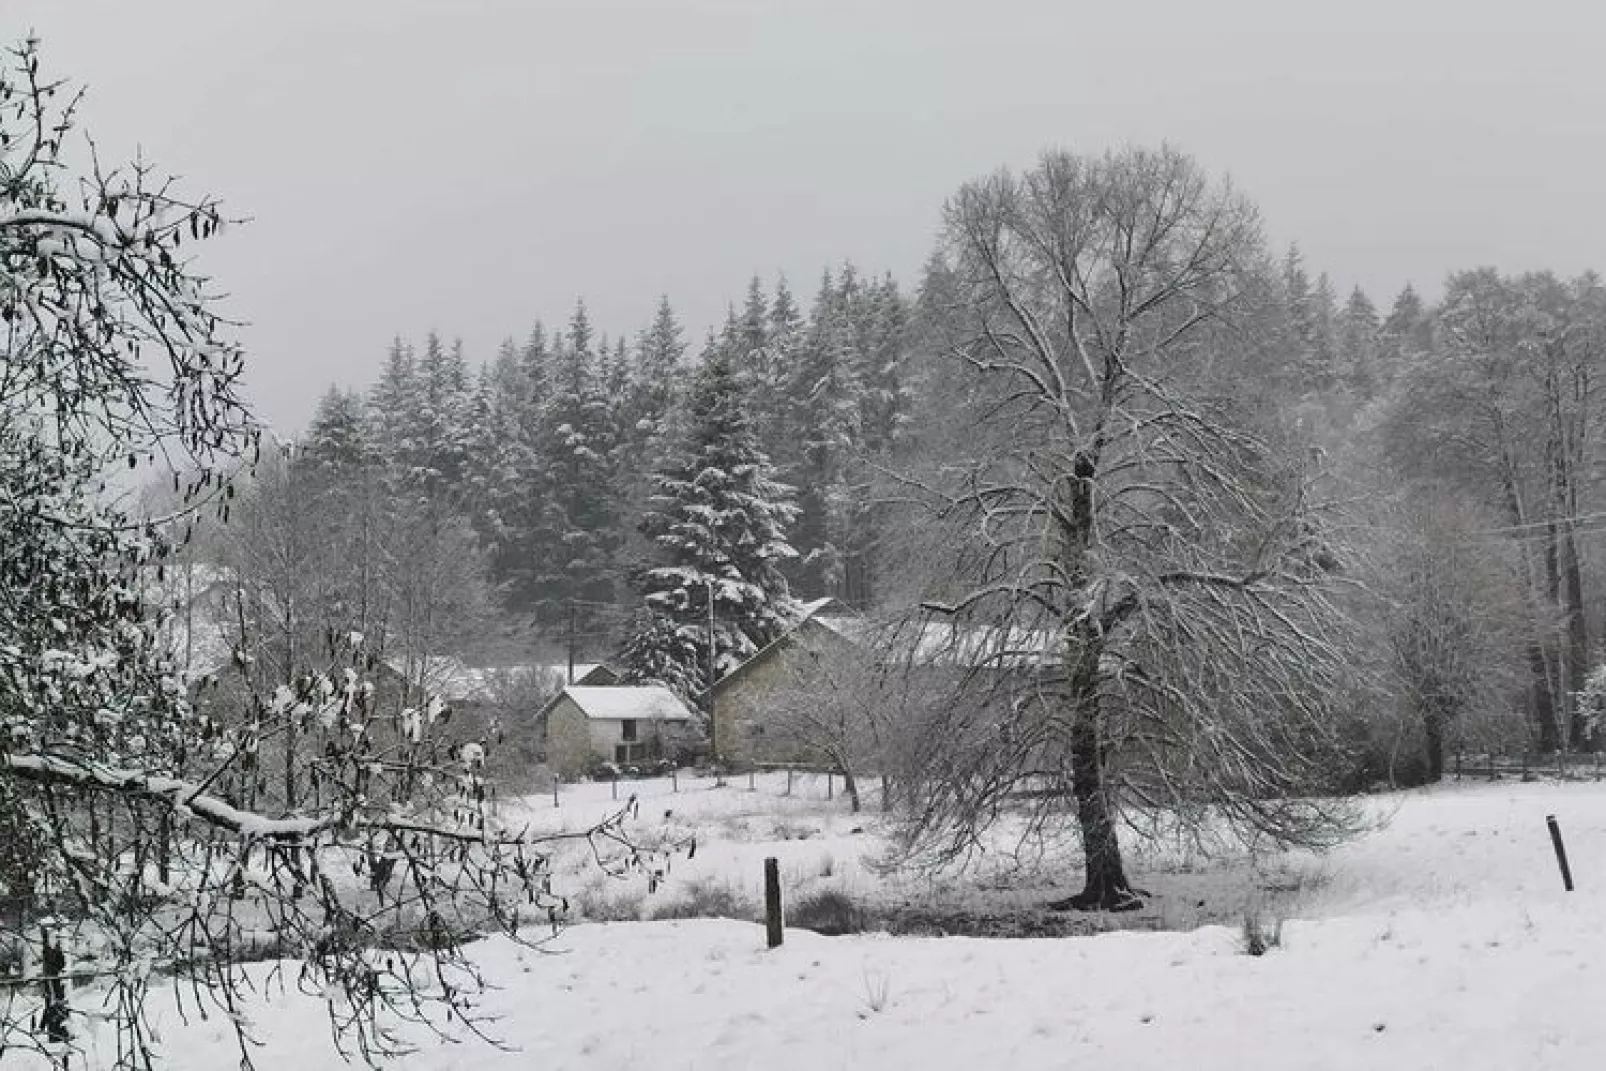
(1144, 600)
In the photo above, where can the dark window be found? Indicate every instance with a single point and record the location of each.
(627, 729)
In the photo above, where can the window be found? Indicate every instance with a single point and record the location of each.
(627, 730)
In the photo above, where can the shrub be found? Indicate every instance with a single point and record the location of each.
(830, 912)
(1258, 937)
(707, 899)
(608, 899)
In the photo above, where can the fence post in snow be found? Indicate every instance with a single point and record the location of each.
(554, 790)
(674, 779)
(750, 781)
(615, 786)
(830, 786)
(1561, 852)
(772, 902)
(788, 780)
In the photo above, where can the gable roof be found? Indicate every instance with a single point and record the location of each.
(946, 643)
(925, 643)
(641, 702)
(811, 620)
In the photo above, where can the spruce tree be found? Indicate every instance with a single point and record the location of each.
(718, 521)
(440, 461)
(515, 479)
(1358, 343)
(394, 406)
(823, 426)
(337, 437)
(574, 568)
(659, 352)
(1407, 332)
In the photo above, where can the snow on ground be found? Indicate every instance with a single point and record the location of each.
(1441, 940)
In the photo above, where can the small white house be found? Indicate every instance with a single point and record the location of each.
(621, 723)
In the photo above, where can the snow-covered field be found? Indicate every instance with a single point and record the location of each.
(1443, 939)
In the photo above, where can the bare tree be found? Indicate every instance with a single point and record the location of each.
(849, 707)
(1146, 572)
(1504, 406)
(1456, 619)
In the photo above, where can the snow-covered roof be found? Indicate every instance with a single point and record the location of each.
(943, 643)
(649, 702)
(456, 681)
(806, 610)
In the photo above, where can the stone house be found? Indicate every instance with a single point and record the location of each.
(743, 696)
(939, 653)
(588, 725)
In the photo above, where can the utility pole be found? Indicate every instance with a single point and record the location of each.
(571, 641)
(713, 678)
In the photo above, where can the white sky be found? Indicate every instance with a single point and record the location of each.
(469, 165)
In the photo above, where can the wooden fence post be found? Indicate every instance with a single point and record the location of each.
(615, 786)
(674, 779)
(554, 790)
(772, 902)
(1561, 852)
(750, 787)
(830, 786)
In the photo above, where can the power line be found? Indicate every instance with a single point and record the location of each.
(1572, 522)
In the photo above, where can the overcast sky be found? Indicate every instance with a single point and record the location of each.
(469, 165)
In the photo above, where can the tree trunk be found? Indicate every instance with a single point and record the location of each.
(1544, 710)
(1541, 700)
(1577, 638)
(850, 785)
(1105, 886)
(1433, 720)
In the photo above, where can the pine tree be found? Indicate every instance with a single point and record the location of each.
(752, 332)
(337, 437)
(514, 475)
(1358, 343)
(718, 521)
(1407, 333)
(576, 538)
(659, 351)
(1324, 333)
(767, 368)
(394, 407)
(1310, 349)
(824, 398)
(440, 461)
(492, 477)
